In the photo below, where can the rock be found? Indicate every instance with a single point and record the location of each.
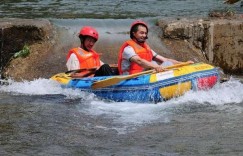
(220, 40)
(38, 35)
(225, 46)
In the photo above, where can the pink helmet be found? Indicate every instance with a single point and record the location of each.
(136, 23)
(89, 31)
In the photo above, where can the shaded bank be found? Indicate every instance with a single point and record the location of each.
(214, 41)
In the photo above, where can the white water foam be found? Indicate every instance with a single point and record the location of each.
(227, 92)
(129, 115)
(220, 94)
(126, 116)
(41, 87)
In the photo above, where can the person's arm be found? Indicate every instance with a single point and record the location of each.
(130, 55)
(73, 63)
(146, 64)
(160, 59)
(101, 63)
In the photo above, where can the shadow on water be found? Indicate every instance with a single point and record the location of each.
(38, 99)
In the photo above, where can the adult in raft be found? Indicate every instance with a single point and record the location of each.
(84, 57)
(135, 55)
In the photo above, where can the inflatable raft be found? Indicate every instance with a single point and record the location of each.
(145, 87)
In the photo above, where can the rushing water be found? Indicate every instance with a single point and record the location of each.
(40, 118)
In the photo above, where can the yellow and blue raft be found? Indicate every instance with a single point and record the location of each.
(147, 88)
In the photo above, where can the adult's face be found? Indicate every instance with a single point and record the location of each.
(89, 43)
(141, 34)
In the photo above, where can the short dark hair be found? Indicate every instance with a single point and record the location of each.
(135, 29)
(81, 37)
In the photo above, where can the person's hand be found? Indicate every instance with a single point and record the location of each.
(159, 69)
(190, 61)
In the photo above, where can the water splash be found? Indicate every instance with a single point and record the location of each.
(228, 92)
(221, 94)
(41, 87)
(127, 116)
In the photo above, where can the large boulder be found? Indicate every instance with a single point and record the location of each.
(219, 40)
(42, 38)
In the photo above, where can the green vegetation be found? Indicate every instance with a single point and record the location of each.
(22, 53)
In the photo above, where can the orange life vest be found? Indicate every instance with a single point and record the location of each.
(86, 59)
(142, 50)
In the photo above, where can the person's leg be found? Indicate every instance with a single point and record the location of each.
(104, 70)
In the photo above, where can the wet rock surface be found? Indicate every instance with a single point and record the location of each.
(15, 34)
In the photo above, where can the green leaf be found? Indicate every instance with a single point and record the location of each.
(22, 53)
